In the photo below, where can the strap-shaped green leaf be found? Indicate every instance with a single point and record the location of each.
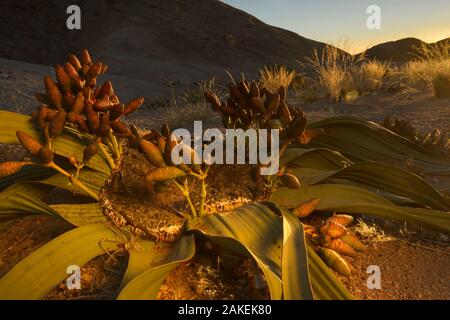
(352, 199)
(32, 189)
(27, 173)
(320, 158)
(362, 140)
(23, 204)
(383, 177)
(294, 260)
(145, 255)
(39, 175)
(144, 285)
(80, 214)
(65, 145)
(22, 198)
(224, 229)
(38, 273)
(255, 229)
(92, 179)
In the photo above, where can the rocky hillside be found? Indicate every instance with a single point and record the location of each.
(399, 51)
(150, 40)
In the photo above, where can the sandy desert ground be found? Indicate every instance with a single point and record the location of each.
(414, 264)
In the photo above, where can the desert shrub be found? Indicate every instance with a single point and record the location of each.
(430, 68)
(333, 81)
(422, 73)
(334, 70)
(395, 80)
(274, 77)
(367, 76)
(441, 85)
(375, 69)
(417, 73)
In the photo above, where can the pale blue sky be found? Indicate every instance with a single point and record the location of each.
(334, 20)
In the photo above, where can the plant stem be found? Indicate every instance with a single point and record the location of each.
(77, 183)
(109, 144)
(106, 155)
(200, 176)
(120, 148)
(185, 193)
(78, 167)
(203, 194)
(191, 205)
(74, 181)
(47, 137)
(59, 169)
(202, 198)
(115, 144)
(196, 175)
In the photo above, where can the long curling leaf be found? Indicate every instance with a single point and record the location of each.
(320, 158)
(143, 255)
(21, 199)
(294, 260)
(80, 214)
(145, 285)
(362, 140)
(254, 229)
(248, 229)
(383, 177)
(33, 277)
(23, 204)
(25, 198)
(353, 199)
(27, 173)
(92, 179)
(31, 189)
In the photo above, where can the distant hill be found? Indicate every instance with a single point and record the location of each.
(399, 51)
(177, 39)
(161, 41)
(446, 41)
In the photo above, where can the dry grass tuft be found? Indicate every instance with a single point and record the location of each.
(341, 76)
(370, 231)
(431, 68)
(335, 71)
(274, 77)
(441, 85)
(368, 76)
